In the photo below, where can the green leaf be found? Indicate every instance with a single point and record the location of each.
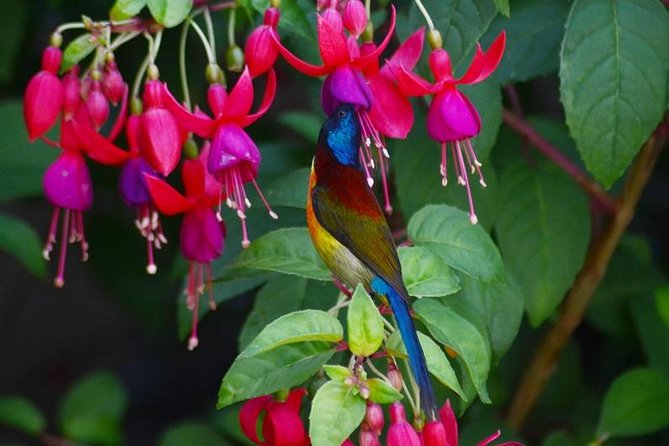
(503, 7)
(305, 124)
(613, 80)
(382, 392)
(426, 274)
(285, 366)
(364, 324)
(543, 231)
(20, 240)
(77, 50)
(290, 189)
(293, 19)
(335, 413)
(650, 330)
(125, 9)
(637, 403)
(662, 303)
(287, 251)
(12, 23)
(451, 329)
(191, 433)
(336, 372)
(448, 232)
(533, 37)
(20, 413)
(487, 98)
(299, 326)
(170, 13)
(92, 410)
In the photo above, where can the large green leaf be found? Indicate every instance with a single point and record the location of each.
(651, 331)
(335, 413)
(287, 251)
(293, 18)
(91, 412)
(305, 124)
(298, 326)
(169, 13)
(20, 240)
(289, 189)
(364, 324)
(543, 231)
(637, 403)
(20, 413)
(125, 9)
(448, 232)
(426, 274)
(533, 35)
(456, 332)
(191, 433)
(613, 75)
(285, 366)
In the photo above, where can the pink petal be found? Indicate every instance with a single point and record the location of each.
(201, 238)
(42, 103)
(260, 52)
(407, 55)
(248, 416)
(192, 177)
(67, 183)
(434, 434)
(98, 148)
(355, 17)
(283, 426)
(241, 98)
(163, 140)
(267, 99)
(212, 187)
(452, 117)
(411, 84)
(294, 400)
(232, 148)
(198, 123)
(332, 43)
(489, 439)
(484, 64)
(217, 97)
(450, 423)
(391, 111)
(165, 197)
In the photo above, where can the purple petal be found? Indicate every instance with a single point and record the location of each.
(345, 84)
(67, 183)
(132, 183)
(452, 117)
(201, 236)
(233, 148)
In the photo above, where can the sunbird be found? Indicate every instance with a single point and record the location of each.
(352, 236)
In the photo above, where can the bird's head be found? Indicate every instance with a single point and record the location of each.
(341, 135)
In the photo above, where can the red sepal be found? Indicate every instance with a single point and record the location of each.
(412, 84)
(98, 148)
(248, 416)
(240, 99)
(297, 63)
(122, 114)
(199, 123)
(332, 44)
(268, 98)
(362, 61)
(407, 55)
(166, 198)
(192, 177)
(484, 63)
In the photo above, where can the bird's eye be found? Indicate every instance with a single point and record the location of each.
(342, 113)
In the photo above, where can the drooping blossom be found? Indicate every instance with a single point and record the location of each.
(112, 82)
(234, 157)
(281, 425)
(260, 51)
(44, 95)
(452, 119)
(202, 234)
(401, 432)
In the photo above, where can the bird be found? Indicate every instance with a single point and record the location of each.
(352, 236)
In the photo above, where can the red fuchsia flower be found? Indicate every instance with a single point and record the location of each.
(260, 52)
(112, 82)
(202, 235)
(43, 99)
(452, 119)
(234, 157)
(282, 425)
(400, 432)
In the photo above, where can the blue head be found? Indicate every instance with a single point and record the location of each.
(341, 134)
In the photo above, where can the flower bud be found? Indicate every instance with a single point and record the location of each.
(272, 16)
(234, 58)
(434, 434)
(355, 17)
(395, 376)
(333, 17)
(51, 59)
(440, 64)
(44, 96)
(434, 39)
(260, 51)
(98, 107)
(72, 92)
(400, 432)
(112, 83)
(369, 438)
(374, 417)
(216, 96)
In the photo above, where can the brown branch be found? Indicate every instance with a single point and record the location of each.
(538, 141)
(545, 358)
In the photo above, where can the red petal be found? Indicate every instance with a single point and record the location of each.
(407, 54)
(42, 103)
(411, 84)
(166, 198)
(199, 123)
(268, 98)
(332, 44)
(450, 423)
(120, 119)
(98, 148)
(192, 176)
(248, 416)
(283, 426)
(484, 64)
(294, 400)
(240, 99)
(368, 58)
(297, 63)
(391, 112)
(162, 138)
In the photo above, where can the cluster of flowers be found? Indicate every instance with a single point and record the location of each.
(282, 425)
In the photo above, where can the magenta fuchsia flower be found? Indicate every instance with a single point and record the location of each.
(44, 95)
(281, 425)
(202, 235)
(234, 157)
(452, 119)
(400, 432)
(260, 52)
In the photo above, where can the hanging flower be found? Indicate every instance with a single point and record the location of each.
(260, 51)
(44, 94)
(400, 432)
(282, 425)
(452, 119)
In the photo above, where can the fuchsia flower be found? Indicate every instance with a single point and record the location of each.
(260, 52)
(400, 432)
(44, 95)
(202, 235)
(234, 157)
(452, 119)
(282, 425)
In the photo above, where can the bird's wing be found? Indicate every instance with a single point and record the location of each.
(366, 235)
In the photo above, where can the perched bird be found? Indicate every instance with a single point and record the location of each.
(352, 236)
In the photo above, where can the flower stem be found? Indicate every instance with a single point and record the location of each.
(423, 11)
(211, 56)
(545, 358)
(210, 30)
(138, 77)
(231, 27)
(183, 76)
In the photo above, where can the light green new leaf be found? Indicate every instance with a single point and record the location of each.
(381, 391)
(336, 412)
(20, 240)
(503, 7)
(285, 366)
(447, 232)
(20, 413)
(426, 274)
(364, 323)
(613, 79)
(637, 403)
(125, 9)
(191, 434)
(170, 13)
(336, 372)
(287, 251)
(77, 50)
(543, 231)
(299, 326)
(456, 332)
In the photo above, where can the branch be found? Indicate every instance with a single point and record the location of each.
(545, 357)
(524, 129)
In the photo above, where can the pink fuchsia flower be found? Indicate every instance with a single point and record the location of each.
(400, 432)
(282, 424)
(112, 82)
(44, 95)
(260, 51)
(202, 235)
(355, 17)
(452, 119)
(233, 158)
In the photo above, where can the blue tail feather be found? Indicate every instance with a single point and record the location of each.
(410, 338)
